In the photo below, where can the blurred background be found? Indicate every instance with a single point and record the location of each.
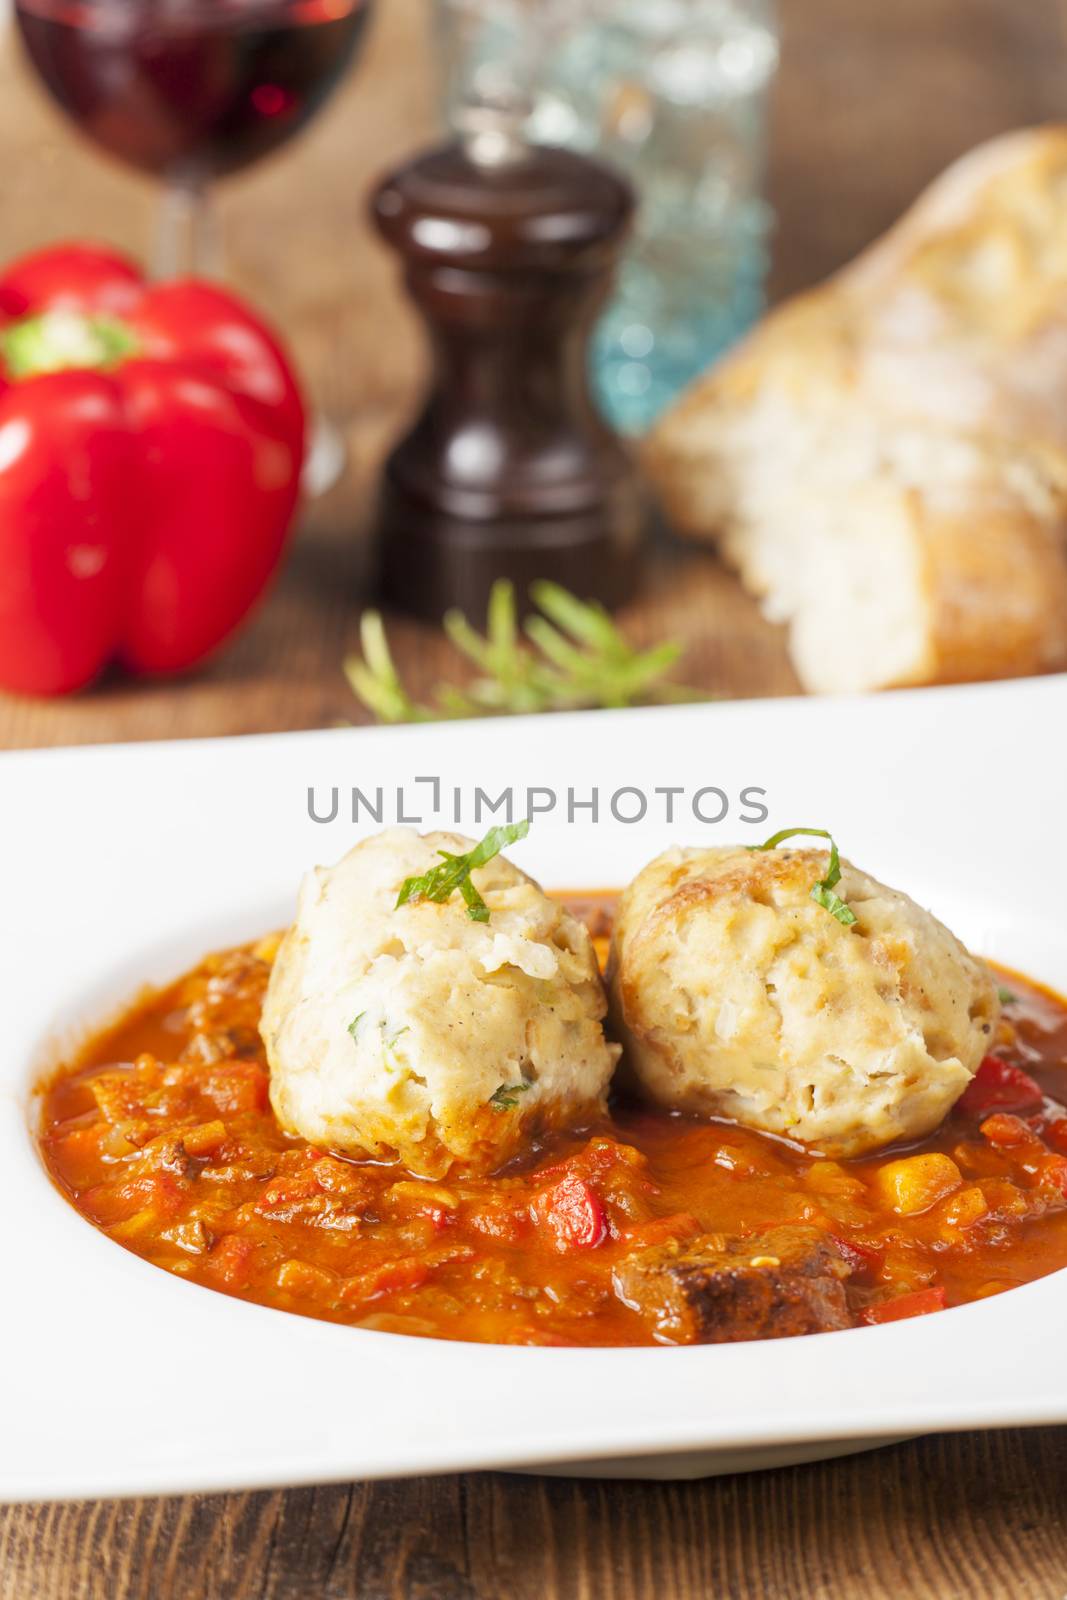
(866, 104)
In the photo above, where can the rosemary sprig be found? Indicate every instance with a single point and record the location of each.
(572, 657)
(375, 680)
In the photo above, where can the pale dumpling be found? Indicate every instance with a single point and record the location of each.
(736, 994)
(420, 1034)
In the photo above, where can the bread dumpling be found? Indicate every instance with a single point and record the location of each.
(417, 1033)
(737, 995)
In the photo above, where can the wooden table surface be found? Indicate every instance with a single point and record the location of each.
(872, 101)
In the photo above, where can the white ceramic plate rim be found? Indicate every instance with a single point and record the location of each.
(164, 1383)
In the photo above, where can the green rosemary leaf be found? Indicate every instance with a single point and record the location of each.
(571, 657)
(374, 678)
(468, 640)
(583, 620)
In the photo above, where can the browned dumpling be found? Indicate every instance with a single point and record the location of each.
(737, 994)
(420, 1033)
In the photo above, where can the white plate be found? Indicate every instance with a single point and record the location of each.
(126, 864)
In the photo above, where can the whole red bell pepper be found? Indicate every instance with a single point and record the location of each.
(151, 441)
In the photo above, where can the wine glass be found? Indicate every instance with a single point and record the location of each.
(190, 91)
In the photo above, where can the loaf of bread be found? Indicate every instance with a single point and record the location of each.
(884, 459)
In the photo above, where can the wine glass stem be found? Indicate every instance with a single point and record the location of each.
(188, 237)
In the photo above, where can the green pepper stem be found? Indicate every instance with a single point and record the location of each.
(64, 341)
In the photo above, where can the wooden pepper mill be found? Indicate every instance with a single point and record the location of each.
(509, 471)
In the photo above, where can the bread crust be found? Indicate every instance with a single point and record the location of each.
(907, 416)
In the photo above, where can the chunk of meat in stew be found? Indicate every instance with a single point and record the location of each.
(712, 1290)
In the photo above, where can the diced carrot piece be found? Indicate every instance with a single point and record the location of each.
(916, 1183)
(204, 1139)
(918, 1304)
(965, 1207)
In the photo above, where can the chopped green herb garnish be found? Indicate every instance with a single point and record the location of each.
(354, 1024)
(454, 872)
(822, 891)
(504, 1098)
(1006, 997)
(389, 1043)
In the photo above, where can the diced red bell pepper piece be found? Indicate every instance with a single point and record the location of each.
(1000, 1083)
(236, 1087)
(410, 1274)
(917, 1304)
(601, 1155)
(288, 1190)
(861, 1259)
(1056, 1133)
(571, 1214)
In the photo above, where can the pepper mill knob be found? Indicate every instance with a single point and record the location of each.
(509, 471)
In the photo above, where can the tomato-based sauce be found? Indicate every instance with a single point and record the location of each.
(161, 1134)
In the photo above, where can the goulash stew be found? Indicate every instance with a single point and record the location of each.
(647, 1227)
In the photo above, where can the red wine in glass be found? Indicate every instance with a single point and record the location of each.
(190, 89)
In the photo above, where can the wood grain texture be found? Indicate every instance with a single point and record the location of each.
(872, 101)
(870, 104)
(980, 1515)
